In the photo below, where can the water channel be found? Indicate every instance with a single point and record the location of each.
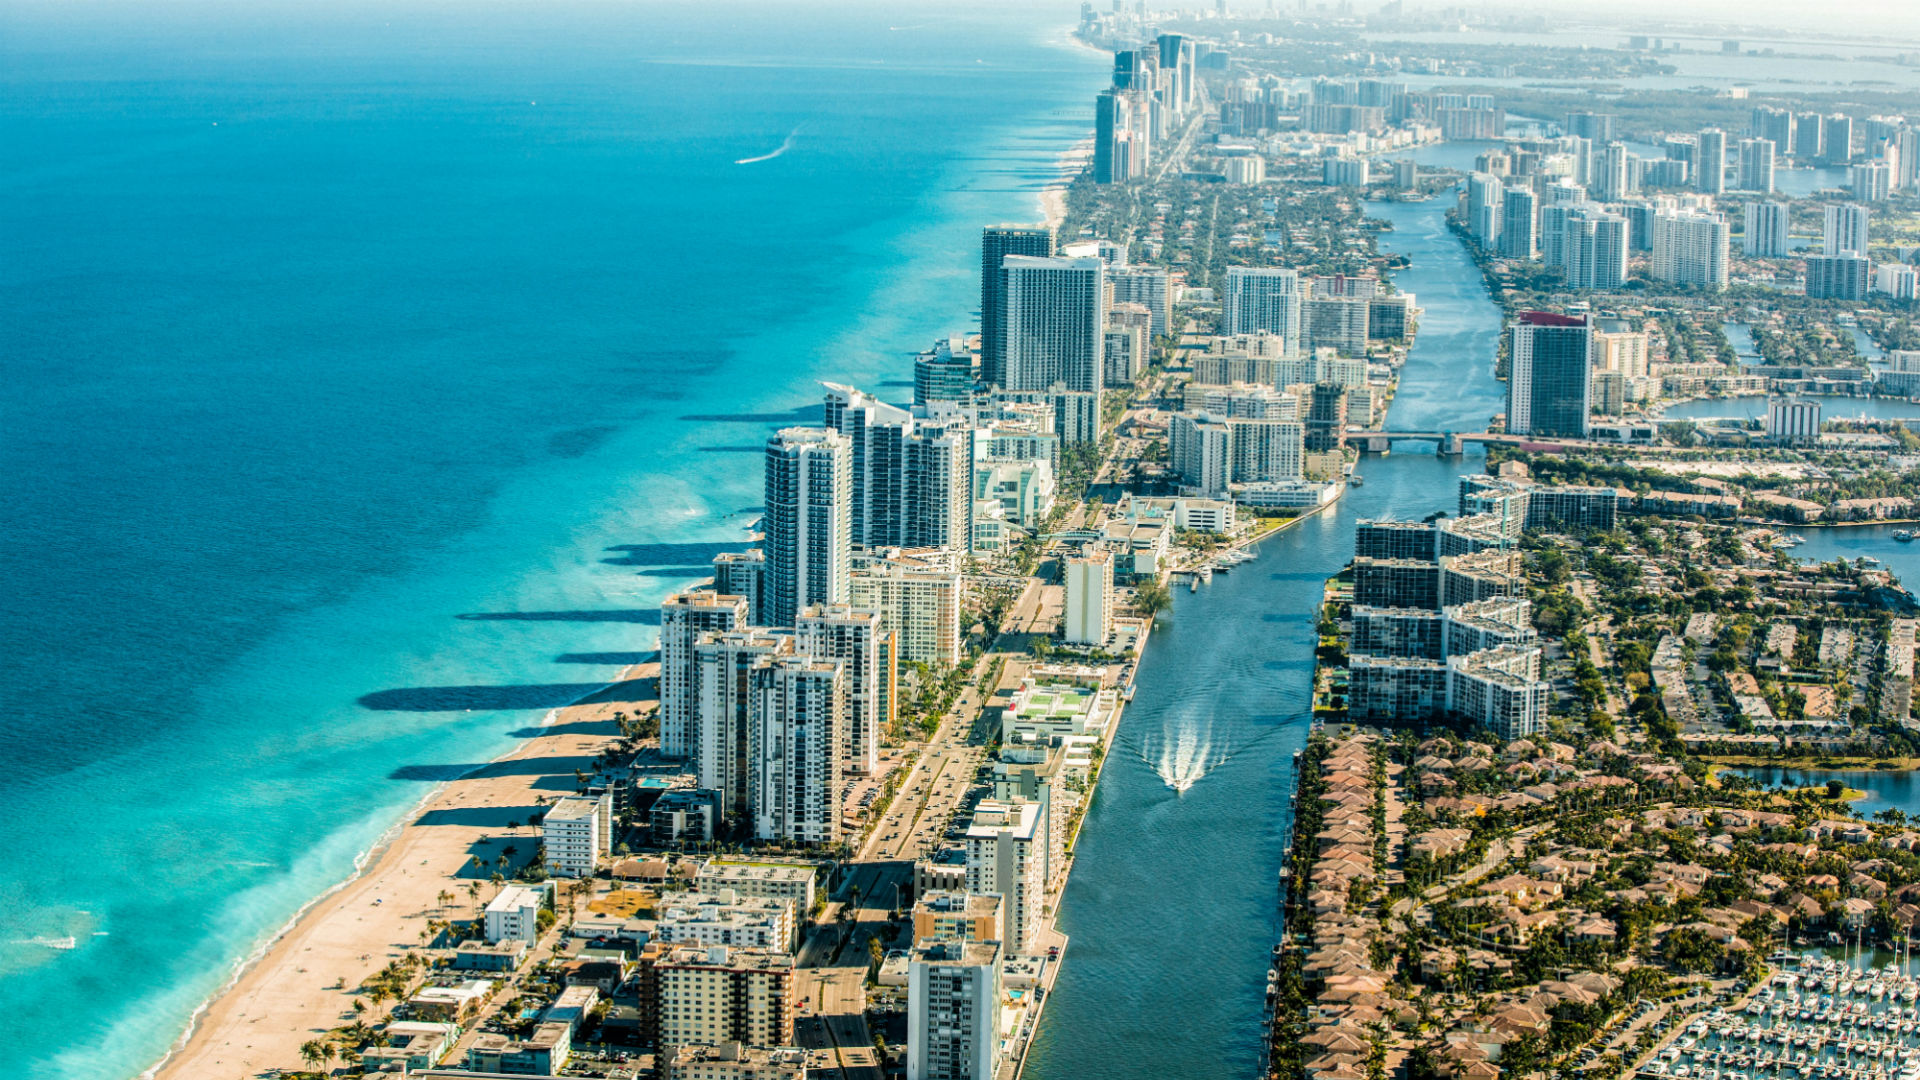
(1174, 899)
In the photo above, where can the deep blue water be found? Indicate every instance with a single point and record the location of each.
(371, 372)
(1174, 900)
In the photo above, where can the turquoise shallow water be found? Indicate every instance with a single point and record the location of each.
(371, 373)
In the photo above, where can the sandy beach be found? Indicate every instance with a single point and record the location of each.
(303, 985)
(1053, 198)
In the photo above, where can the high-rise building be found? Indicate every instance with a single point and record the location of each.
(1870, 182)
(852, 637)
(1123, 136)
(1845, 230)
(953, 1010)
(1594, 248)
(1549, 382)
(1326, 426)
(1129, 348)
(1007, 857)
(1898, 280)
(743, 574)
(1147, 286)
(1766, 229)
(1792, 422)
(1517, 223)
(1809, 137)
(684, 618)
(1773, 125)
(1056, 315)
(1089, 599)
(727, 669)
(1619, 348)
(1485, 199)
(1836, 132)
(1756, 165)
(1338, 323)
(1837, 277)
(918, 598)
(1264, 301)
(711, 995)
(1710, 161)
(1691, 249)
(911, 477)
(800, 746)
(808, 521)
(996, 243)
(1591, 126)
(1614, 179)
(946, 372)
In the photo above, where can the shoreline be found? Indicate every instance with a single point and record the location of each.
(269, 969)
(1053, 197)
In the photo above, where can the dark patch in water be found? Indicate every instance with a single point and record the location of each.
(578, 442)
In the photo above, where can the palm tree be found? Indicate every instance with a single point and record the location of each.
(315, 1053)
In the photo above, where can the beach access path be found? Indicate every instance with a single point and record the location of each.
(305, 984)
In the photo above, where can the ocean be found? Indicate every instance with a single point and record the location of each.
(369, 373)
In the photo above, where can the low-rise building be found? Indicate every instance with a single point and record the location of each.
(577, 833)
(543, 1053)
(958, 916)
(514, 914)
(733, 1061)
(761, 878)
(726, 918)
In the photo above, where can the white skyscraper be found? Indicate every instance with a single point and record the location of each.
(852, 637)
(1056, 323)
(1594, 248)
(798, 748)
(1710, 161)
(911, 476)
(1007, 857)
(809, 521)
(726, 667)
(953, 1010)
(1615, 179)
(1089, 599)
(684, 617)
(1691, 249)
(1264, 301)
(1846, 230)
(1766, 232)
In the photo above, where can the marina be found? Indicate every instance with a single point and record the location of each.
(1817, 1018)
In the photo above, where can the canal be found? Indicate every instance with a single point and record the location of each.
(1174, 900)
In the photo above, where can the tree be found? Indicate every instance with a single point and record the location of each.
(316, 1052)
(1152, 598)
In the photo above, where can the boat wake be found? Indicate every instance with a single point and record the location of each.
(784, 146)
(1191, 748)
(1185, 756)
